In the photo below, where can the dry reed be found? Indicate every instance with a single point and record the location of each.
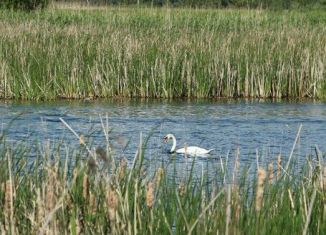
(150, 195)
(270, 173)
(260, 189)
(279, 167)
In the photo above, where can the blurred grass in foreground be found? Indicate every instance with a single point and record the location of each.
(88, 190)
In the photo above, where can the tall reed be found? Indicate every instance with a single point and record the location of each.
(145, 52)
(60, 193)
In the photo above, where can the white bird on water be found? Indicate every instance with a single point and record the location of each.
(190, 150)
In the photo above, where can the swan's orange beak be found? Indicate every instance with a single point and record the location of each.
(165, 139)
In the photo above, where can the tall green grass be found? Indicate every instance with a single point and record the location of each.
(82, 52)
(64, 190)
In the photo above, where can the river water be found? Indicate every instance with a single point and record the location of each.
(258, 129)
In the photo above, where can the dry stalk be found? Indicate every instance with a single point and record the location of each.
(40, 208)
(228, 210)
(324, 179)
(8, 204)
(291, 199)
(311, 204)
(236, 202)
(9, 196)
(293, 147)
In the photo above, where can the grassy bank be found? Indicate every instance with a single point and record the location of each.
(81, 191)
(86, 52)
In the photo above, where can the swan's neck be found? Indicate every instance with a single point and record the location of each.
(174, 145)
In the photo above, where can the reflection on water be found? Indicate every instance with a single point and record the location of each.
(257, 128)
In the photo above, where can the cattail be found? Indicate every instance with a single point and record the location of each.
(122, 169)
(150, 195)
(85, 187)
(40, 206)
(50, 192)
(270, 173)
(260, 188)
(8, 202)
(8, 196)
(182, 189)
(82, 139)
(112, 201)
(158, 176)
(279, 166)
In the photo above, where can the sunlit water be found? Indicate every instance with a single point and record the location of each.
(259, 129)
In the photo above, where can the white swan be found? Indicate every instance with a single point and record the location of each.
(191, 150)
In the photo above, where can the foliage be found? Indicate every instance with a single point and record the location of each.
(68, 191)
(27, 5)
(271, 4)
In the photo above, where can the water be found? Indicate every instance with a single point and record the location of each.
(257, 128)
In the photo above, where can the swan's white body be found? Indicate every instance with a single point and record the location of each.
(189, 150)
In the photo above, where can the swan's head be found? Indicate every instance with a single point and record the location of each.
(167, 138)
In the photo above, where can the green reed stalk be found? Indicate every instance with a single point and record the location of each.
(167, 53)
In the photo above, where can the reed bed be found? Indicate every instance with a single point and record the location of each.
(89, 190)
(103, 52)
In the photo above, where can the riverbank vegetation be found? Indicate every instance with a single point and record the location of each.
(250, 4)
(100, 52)
(265, 4)
(59, 189)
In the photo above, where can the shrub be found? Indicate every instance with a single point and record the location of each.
(27, 5)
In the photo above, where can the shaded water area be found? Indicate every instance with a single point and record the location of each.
(257, 128)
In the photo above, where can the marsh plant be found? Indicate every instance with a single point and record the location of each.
(27, 5)
(94, 52)
(90, 190)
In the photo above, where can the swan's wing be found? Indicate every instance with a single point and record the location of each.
(194, 151)
(182, 150)
(191, 150)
